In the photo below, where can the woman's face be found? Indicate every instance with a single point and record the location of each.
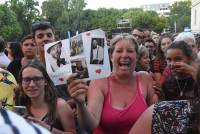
(124, 57)
(29, 48)
(144, 61)
(165, 44)
(33, 82)
(175, 57)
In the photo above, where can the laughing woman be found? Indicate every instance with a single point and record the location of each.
(114, 103)
(43, 105)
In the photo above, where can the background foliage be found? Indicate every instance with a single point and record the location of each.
(16, 17)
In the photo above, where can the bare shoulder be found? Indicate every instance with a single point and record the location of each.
(61, 103)
(99, 85)
(144, 74)
(145, 77)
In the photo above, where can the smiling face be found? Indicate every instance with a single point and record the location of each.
(124, 57)
(144, 61)
(174, 56)
(165, 42)
(33, 88)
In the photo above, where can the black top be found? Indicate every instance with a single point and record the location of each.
(14, 68)
(179, 89)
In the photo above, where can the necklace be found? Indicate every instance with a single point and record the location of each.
(179, 87)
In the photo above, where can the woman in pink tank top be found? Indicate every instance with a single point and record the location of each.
(114, 103)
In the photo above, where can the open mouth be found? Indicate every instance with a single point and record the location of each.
(125, 64)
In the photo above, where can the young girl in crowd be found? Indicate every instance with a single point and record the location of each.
(114, 103)
(160, 61)
(171, 117)
(180, 84)
(143, 60)
(42, 103)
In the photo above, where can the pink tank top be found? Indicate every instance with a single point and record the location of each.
(115, 121)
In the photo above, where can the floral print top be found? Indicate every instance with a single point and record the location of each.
(175, 117)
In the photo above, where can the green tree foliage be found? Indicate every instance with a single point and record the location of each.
(9, 26)
(180, 12)
(106, 18)
(146, 19)
(26, 11)
(65, 15)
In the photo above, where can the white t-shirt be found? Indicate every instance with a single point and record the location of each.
(4, 60)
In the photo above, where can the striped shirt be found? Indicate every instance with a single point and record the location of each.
(11, 123)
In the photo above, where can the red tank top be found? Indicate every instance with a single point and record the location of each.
(115, 121)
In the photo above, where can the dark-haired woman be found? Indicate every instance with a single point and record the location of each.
(180, 83)
(160, 62)
(171, 117)
(42, 103)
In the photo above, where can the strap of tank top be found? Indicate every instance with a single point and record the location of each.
(108, 80)
(139, 85)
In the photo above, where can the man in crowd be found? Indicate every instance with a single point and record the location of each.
(138, 34)
(43, 33)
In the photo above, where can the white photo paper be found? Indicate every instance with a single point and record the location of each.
(85, 54)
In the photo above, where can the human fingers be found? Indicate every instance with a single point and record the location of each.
(76, 82)
(71, 78)
(77, 86)
(78, 92)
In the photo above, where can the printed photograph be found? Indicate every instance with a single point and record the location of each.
(97, 51)
(79, 66)
(76, 45)
(55, 59)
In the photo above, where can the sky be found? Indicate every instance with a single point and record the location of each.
(119, 4)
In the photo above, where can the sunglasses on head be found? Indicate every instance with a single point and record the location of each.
(42, 24)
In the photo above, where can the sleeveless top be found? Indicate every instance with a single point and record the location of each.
(120, 121)
(55, 124)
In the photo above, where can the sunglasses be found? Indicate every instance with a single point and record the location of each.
(40, 25)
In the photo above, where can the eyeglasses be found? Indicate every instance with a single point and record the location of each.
(43, 24)
(136, 35)
(36, 79)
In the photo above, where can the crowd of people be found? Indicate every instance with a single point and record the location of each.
(154, 84)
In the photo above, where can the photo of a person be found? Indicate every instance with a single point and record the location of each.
(97, 51)
(76, 45)
(79, 66)
(55, 59)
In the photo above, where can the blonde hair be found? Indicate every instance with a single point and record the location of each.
(123, 36)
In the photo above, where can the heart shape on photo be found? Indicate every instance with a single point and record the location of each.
(88, 33)
(61, 79)
(98, 71)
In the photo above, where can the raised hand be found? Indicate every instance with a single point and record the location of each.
(77, 88)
